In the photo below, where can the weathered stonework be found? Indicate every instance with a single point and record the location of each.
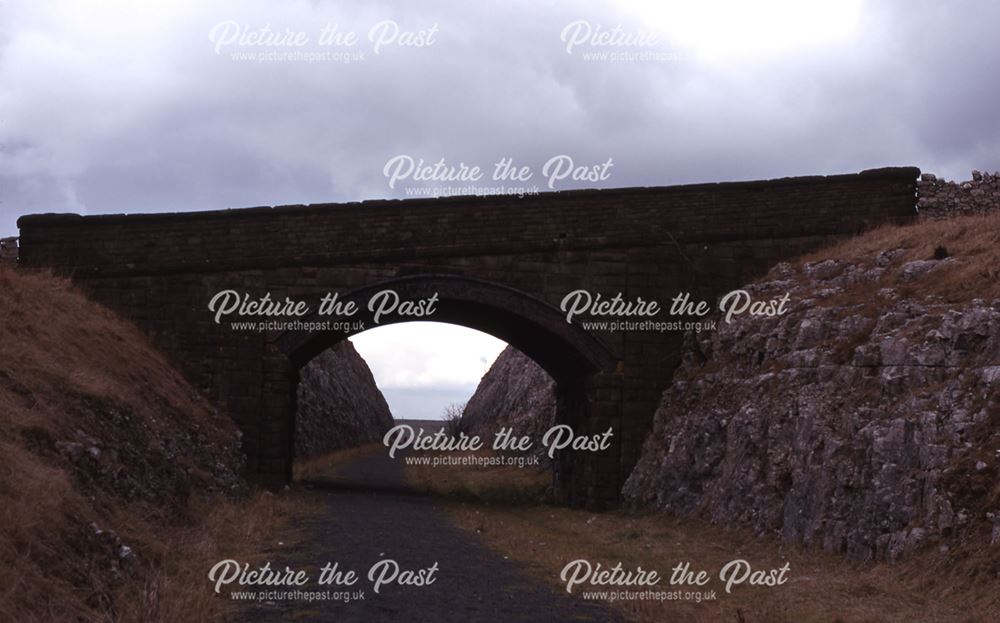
(498, 264)
(941, 199)
(8, 250)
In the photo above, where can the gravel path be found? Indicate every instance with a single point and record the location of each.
(368, 514)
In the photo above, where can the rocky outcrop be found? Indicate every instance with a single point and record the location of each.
(865, 421)
(515, 393)
(339, 405)
(937, 198)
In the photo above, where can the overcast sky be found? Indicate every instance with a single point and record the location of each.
(123, 106)
(422, 367)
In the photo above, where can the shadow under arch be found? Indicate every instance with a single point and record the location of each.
(572, 356)
(536, 328)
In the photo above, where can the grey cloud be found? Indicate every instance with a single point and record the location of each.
(163, 123)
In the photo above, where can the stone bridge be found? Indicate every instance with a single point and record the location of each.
(501, 265)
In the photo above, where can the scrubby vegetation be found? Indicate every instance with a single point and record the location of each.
(119, 485)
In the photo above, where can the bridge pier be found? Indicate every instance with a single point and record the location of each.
(591, 479)
(276, 418)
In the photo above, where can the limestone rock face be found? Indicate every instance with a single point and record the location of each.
(865, 421)
(515, 393)
(339, 405)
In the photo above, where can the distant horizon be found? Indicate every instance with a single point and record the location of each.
(423, 367)
(425, 403)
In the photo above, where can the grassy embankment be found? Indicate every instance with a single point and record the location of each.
(100, 436)
(821, 587)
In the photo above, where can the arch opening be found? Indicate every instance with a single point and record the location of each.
(529, 324)
(568, 354)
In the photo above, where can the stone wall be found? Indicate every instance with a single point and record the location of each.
(938, 198)
(8, 250)
(338, 404)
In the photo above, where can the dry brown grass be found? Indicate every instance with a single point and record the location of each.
(34, 500)
(177, 590)
(52, 339)
(326, 466)
(972, 241)
(821, 587)
(488, 485)
(56, 349)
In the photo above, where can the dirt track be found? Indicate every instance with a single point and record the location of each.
(367, 514)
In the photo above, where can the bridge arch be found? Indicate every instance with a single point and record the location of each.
(573, 357)
(527, 323)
